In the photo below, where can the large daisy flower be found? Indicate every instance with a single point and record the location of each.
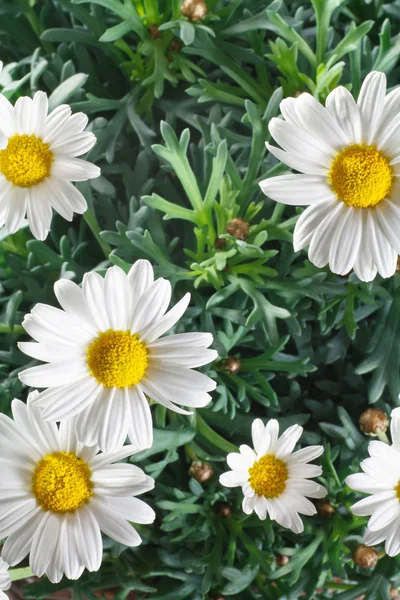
(381, 479)
(5, 581)
(348, 156)
(274, 479)
(57, 495)
(38, 161)
(104, 356)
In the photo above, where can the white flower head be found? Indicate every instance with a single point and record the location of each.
(104, 356)
(57, 495)
(38, 162)
(5, 581)
(381, 479)
(348, 156)
(274, 479)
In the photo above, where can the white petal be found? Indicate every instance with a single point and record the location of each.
(16, 208)
(389, 219)
(257, 433)
(73, 169)
(117, 479)
(305, 454)
(132, 509)
(64, 402)
(167, 321)
(140, 277)
(385, 514)
(18, 544)
(23, 115)
(113, 525)
(298, 140)
(39, 212)
(346, 240)
(40, 108)
(298, 163)
(55, 122)
(151, 307)
(370, 103)
(74, 145)
(362, 483)
(364, 267)
(88, 539)
(366, 506)
(319, 122)
(114, 423)
(44, 542)
(53, 374)
(287, 441)
(320, 244)
(343, 108)
(116, 297)
(300, 190)
(140, 427)
(93, 292)
(383, 255)
(70, 297)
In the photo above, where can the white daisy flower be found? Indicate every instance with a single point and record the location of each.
(105, 357)
(381, 479)
(5, 581)
(348, 156)
(57, 495)
(38, 161)
(274, 479)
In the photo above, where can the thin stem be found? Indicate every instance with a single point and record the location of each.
(381, 435)
(17, 574)
(94, 226)
(17, 329)
(212, 436)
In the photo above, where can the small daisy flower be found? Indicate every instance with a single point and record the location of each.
(57, 495)
(38, 162)
(381, 479)
(5, 581)
(274, 479)
(104, 356)
(348, 158)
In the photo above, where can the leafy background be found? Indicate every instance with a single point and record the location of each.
(181, 115)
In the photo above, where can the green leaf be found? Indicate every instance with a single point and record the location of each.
(67, 89)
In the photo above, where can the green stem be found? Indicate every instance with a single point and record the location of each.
(381, 435)
(94, 226)
(17, 574)
(213, 437)
(17, 329)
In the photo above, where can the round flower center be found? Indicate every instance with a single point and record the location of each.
(268, 476)
(117, 358)
(361, 176)
(26, 161)
(61, 482)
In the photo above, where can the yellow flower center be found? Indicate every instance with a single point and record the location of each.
(361, 176)
(268, 476)
(61, 482)
(26, 161)
(117, 358)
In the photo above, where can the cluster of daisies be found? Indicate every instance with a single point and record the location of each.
(105, 360)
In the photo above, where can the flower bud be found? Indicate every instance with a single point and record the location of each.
(175, 46)
(220, 243)
(324, 508)
(373, 420)
(365, 556)
(282, 560)
(232, 364)
(238, 228)
(195, 10)
(223, 509)
(154, 32)
(201, 471)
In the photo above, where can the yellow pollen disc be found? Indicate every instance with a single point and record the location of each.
(117, 358)
(268, 476)
(361, 176)
(61, 482)
(26, 161)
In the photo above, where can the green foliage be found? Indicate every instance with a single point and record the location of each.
(181, 117)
